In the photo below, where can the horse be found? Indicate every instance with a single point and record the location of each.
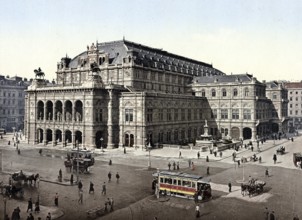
(39, 72)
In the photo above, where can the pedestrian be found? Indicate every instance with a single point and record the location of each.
(196, 197)
(80, 185)
(230, 187)
(260, 159)
(238, 161)
(193, 166)
(179, 154)
(177, 165)
(208, 170)
(215, 153)
(71, 179)
(29, 205)
(109, 176)
(37, 207)
(91, 187)
(220, 153)
(56, 199)
(189, 161)
(40, 152)
(30, 217)
(266, 172)
(207, 159)
(111, 204)
(275, 158)
(197, 211)
(169, 166)
(60, 173)
(117, 177)
(252, 148)
(266, 214)
(198, 155)
(272, 216)
(104, 189)
(124, 150)
(80, 197)
(174, 165)
(48, 217)
(110, 162)
(105, 208)
(292, 139)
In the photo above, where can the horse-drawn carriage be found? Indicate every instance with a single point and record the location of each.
(253, 187)
(83, 158)
(27, 178)
(297, 159)
(12, 190)
(281, 150)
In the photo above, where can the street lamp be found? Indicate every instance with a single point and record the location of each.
(149, 149)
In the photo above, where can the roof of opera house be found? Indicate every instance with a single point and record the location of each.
(144, 55)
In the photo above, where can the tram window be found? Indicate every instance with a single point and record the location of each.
(179, 182)
(168, 181)
(174, 182)
(161, 180)
(193, 185)
(186, 183)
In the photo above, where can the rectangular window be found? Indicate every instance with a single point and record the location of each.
(176, 135)
(214, 113)
(161, 114)
(168, 136)
(169, 116)
(128, 115)
(189, 115)
(195, 114)
(183, 115)
(224, 113)
(149, 115)
(235, 113)
(176, 114)
(247, 114)
(200, 114)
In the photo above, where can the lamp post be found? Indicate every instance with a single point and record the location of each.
(77, 161)
(149, 149)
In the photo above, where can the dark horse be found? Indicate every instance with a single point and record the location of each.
(39, 72)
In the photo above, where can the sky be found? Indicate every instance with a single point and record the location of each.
(259, 37)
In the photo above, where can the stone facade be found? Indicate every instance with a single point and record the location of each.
(121, 93)
(118, 94)
(240, 106)
(12, 93)
(295, 104)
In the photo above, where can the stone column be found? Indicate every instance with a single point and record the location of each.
(63, 138)
(110, 144)
(44, 136)
(45, 108)
(73, 139)
(54, 141)
(53, 111)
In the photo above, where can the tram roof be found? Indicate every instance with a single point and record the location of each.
(179, 174)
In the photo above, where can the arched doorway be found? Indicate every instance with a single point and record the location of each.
(129, 140)
(235, 133)
(40, 135)
(78, 137)
(68, 111)
(68, 137)
(78, 111)
(99, 139)
(40, 115)
(48, 135)
(58, 136)
(247, 133)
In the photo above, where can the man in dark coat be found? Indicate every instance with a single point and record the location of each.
(29, 205)
(109, 176)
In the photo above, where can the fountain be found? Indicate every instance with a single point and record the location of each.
(205, 140)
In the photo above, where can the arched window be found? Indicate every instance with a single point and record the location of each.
(224, 93)
(246, 92)
(235, 92)
(213, 92)
(203, 93)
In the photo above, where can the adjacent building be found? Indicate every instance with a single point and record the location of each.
(12, 104)
(295, 105)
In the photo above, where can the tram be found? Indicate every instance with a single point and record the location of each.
(183, 185)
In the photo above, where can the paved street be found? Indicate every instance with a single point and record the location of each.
(133, 196)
